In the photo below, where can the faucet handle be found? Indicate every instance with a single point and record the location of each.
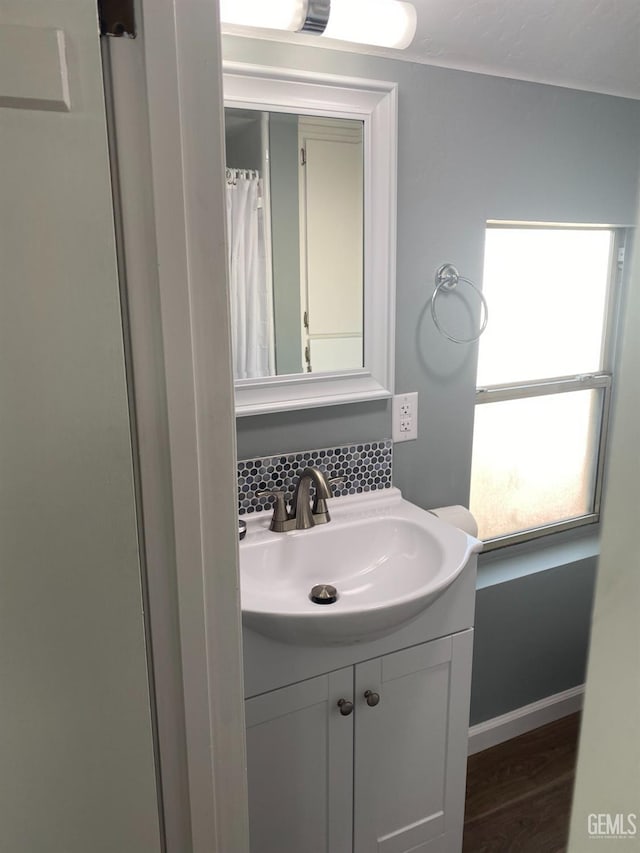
(280, 514)
(335, 480)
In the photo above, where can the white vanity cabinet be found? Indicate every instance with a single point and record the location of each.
(388, 777)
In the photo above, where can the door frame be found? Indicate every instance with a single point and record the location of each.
(164, 94)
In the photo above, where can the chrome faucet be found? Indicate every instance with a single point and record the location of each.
(301, 515)
(305, 515)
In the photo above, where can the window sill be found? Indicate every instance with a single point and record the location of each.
(517, 561)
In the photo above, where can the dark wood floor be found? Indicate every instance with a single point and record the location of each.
(519, 792)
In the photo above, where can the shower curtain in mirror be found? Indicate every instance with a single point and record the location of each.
(250, 285)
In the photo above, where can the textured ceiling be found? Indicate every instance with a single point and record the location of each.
(589, 44)
(583, 44)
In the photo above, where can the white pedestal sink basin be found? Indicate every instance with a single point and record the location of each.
(387, 558)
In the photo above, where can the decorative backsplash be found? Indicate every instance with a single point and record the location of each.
(365, 467)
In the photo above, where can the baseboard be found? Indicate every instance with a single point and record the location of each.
(521, 720)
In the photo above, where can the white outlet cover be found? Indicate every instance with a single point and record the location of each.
(405, 417)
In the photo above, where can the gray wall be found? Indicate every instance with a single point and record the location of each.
(531, 632)
(285, 239)
(243, 141)
(471, 148)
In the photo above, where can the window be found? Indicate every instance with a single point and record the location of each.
(544, 378)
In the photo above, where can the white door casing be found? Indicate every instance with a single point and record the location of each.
(182, 117)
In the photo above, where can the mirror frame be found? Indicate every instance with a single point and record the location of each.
(373, 102)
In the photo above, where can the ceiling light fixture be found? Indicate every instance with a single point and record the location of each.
(384, 23)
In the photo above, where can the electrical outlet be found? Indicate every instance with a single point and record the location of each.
(405, 416)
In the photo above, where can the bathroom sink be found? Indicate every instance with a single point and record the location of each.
(387, 559)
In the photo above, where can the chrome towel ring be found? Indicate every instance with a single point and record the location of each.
(447, 279)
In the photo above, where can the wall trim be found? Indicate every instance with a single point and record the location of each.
(525, 719)
(183, 75)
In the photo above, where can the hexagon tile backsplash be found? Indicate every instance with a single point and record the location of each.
(366, 467)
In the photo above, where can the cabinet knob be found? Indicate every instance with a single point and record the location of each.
(346, 707)
(372, 698)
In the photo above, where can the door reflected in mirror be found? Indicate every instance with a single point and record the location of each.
(295, 200)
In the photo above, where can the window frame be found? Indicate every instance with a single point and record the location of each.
(603, 379)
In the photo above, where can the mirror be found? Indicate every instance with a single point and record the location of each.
(310, 185)
(295, 229)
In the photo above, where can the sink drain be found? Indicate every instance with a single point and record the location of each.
(324, 593)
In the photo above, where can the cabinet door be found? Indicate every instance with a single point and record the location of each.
(411, 748)
(300, 767)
